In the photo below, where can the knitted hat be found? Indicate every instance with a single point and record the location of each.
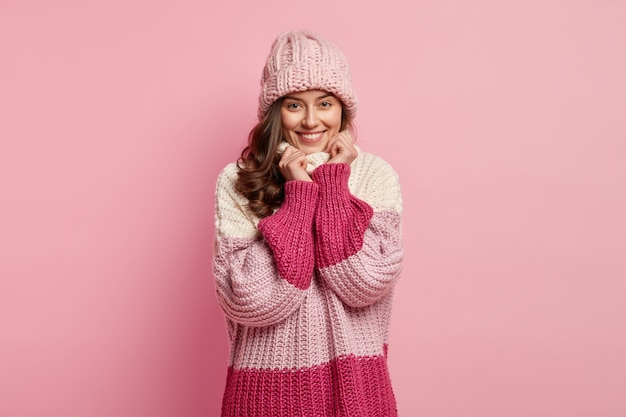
(300, 61)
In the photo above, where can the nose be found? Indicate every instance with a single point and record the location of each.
(310, 119)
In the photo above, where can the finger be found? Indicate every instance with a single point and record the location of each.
(337, 146)
(288, 151)
(296, 158)
(344, 137)
(288, 154)
(332, 145)
(295, 155)
(346, 144)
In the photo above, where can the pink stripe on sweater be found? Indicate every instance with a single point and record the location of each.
(349, 387)
(289, 232)
(340, 219)
(365, 277)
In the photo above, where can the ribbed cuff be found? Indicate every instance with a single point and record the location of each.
(333, 180)
(289, 232)
(301, 199)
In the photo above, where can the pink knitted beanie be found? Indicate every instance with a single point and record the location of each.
(300, 61)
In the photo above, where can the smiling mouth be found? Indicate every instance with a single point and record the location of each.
(311, 137)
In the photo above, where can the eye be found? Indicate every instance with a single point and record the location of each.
(293, 106)
(326, 104)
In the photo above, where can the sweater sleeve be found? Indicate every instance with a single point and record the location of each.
(262, 278)
(358, 249)
(289, 233)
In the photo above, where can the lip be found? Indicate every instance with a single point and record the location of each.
(311, 137)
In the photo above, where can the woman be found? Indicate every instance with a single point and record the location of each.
(308, 248)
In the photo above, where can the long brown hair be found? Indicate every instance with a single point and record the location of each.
(259, 179)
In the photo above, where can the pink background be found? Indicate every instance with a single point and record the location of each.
(506, 121)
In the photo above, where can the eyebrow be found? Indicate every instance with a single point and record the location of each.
(318, 98)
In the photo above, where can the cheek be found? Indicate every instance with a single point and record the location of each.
(287, 121)
(336, 121)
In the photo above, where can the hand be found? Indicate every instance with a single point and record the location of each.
(293, 165)
(341, 148)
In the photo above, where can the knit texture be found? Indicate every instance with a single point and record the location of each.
(289, 233)
(307, 292)
(302, 60)
(341, 218)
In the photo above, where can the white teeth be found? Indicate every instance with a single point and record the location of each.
(310, 137)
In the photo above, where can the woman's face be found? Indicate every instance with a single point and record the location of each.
(310, 119)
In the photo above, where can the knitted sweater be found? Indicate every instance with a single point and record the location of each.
(307, 292)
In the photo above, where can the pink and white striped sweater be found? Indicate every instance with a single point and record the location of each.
(307, 292)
